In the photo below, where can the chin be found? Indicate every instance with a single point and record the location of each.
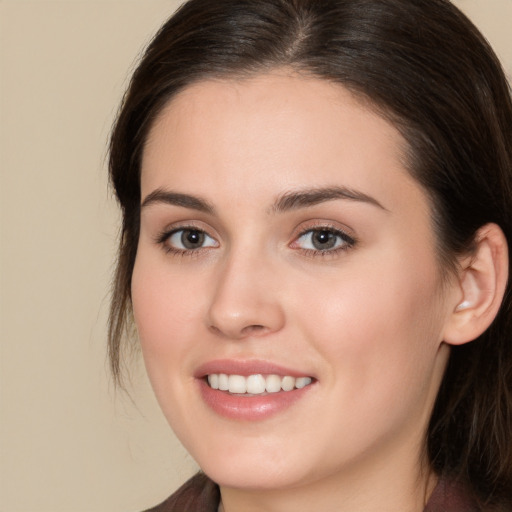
(252, 464)
(253, 476)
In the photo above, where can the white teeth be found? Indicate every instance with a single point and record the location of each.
(213, 380)
(288, 383)
(223, 382)
(273, 384)
(302, 382)
(256, 384)
(237, 384)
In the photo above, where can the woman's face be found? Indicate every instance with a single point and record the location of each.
(284, 245)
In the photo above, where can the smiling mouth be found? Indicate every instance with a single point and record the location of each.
(257, 384)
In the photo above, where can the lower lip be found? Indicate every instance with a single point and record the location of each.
(249, 408)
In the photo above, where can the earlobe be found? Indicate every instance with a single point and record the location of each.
(482, 282)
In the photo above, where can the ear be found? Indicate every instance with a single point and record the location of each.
(482, 282)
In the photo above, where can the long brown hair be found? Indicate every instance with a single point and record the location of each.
(424, 66)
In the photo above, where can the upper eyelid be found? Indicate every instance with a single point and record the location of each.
(319, 225)
(336, 231)
(172, 227)
(349, 239)
(190, 228)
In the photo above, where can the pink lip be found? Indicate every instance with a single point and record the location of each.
(248, 408)
(246, 368)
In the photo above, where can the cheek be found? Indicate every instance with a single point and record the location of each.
(379, 325)
(164, 313)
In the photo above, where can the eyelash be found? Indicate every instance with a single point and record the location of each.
(164, 237)
(348, 241)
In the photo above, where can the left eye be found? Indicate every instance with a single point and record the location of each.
(190, 239)
(323, 240)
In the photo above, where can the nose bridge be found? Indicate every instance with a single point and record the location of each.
(245, 300)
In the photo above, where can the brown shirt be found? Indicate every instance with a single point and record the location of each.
(200, 494)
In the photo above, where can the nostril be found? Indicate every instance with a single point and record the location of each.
(253, 329)
(249, 330)
(215, 330)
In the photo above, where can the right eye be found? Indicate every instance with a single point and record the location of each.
(188, 239)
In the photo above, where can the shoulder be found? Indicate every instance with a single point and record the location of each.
(199, 494)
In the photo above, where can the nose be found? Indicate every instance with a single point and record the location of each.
(245, 301)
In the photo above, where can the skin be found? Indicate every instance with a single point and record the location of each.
(367, 321)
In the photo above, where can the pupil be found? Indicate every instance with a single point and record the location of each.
(323, 240)
(192, 239)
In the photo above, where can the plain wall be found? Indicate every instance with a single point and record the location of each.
(69, 443)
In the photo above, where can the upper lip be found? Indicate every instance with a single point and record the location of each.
(246, 368)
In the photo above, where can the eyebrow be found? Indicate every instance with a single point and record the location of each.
(293, 200)
(177, 199)
(303, 199)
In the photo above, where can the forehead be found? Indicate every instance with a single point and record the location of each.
(274, 129)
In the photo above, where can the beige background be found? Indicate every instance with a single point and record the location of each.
(68, 442)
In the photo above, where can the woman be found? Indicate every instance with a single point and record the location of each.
(316, 208)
